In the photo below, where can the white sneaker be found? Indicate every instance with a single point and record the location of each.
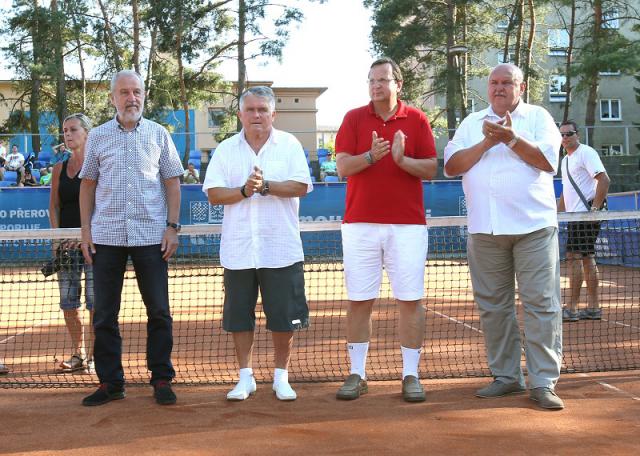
(243, 390)
(284, 392)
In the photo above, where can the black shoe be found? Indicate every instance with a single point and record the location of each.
(163, 393)
(105, 393)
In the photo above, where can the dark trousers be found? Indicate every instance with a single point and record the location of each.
(109, 265)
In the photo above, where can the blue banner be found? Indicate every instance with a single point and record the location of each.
(28, 208)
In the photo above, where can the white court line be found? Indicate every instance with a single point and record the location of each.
(4, 341)
(612, 388)
(455, 320)
(619, 323)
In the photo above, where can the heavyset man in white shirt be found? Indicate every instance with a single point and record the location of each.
(588, 173)
(507, 155)
(259, 176)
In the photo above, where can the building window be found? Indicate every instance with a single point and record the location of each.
(611, 19)
(610, 109)
(216, 117)
(557, 89)
(558, 41)
(510, 59)
(611, 149)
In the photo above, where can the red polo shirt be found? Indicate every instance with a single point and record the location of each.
(382, 192)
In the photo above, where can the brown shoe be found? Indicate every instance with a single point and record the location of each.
(352, 388)
(412, 390)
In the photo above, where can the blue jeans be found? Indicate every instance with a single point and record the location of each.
(70, 283)
(109, 265)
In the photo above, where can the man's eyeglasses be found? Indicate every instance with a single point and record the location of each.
(381, 81)
(568, 134)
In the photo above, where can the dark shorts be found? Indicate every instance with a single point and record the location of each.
(283, 299)
(582, 236)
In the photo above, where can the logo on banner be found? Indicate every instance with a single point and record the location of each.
(202, 212)
(462, 205)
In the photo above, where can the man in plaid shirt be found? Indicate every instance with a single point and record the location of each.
(129, 206)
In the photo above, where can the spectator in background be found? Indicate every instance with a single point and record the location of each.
(27, 179)
(15, 162)
(64, 212)
(328, 168)
(45, 176)
(191, 175)
(581, 166)
(61, 154)
(3, 158)
(4, 370)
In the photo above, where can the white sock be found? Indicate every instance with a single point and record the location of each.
(246, 374)
(280, 376)
(410, 361)
(358, 356)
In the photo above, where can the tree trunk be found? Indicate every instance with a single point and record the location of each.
(152, 61)
(36, 82)
(519, 31)
(183, 93)
(242, 65)
(83, 77)
(529, 50)
(61, 93)
(136, 35)
(593, 78)
(462, 66)
(115, 49)
(452, 76)
(567, 71)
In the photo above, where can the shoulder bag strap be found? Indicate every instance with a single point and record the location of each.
(586, 203)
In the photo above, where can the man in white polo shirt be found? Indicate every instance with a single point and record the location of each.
(259, 176)
(507, 156)
(581, 168)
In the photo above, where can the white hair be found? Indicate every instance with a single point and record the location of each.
(261, 92)
(518, 75)
(123, 73)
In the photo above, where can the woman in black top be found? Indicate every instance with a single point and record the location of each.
(64, 212)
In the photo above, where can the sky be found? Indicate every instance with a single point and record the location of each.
(330, 48)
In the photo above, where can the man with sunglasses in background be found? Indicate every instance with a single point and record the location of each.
(584, 188)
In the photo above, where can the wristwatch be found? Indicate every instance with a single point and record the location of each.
(369, 158)
(513, 142)
(243, 192)
(265, 188)
(175, 226)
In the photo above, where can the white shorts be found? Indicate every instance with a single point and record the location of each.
(400, 249)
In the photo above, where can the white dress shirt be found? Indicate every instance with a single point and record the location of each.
(259, 231)
(584, 165)
(506, 195)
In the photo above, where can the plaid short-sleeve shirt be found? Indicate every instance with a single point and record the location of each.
(129, 167)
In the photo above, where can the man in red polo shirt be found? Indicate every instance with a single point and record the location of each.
(385, 149)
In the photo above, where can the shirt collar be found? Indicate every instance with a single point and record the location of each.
(400, 113)
(273, 137)
(120, 127)
(521, 111)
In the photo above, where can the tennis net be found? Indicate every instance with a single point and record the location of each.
(34, 338)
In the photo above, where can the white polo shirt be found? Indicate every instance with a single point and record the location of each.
(506, 195)
(584, 165)
(259, 231)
